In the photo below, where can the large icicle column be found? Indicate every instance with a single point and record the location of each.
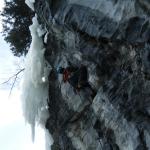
(35, 85)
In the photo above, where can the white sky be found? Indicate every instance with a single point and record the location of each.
(14, 134)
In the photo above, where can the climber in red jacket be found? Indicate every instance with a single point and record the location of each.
(77, 77)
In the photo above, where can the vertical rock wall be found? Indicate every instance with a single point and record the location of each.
(112, 38)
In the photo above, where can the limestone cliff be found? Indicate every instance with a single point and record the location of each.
(111, 38)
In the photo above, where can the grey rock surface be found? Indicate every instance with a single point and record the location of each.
(111, 38)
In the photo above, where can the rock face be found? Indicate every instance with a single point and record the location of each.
(111, 38)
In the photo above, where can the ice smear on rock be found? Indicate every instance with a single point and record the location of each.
(34, 90)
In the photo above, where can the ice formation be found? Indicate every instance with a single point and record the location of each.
(34, 88)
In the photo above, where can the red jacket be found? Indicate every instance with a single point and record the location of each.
(66, 75)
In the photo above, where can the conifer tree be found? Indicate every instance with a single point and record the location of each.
(16, 21)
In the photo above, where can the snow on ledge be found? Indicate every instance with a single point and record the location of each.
(34, 89)
(30, 3)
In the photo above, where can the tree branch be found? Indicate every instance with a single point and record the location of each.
(12, 86)
(15, 76)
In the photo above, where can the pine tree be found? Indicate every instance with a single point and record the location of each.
(16, 21)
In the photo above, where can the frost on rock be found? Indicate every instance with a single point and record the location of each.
(30, 3)
(34, 89)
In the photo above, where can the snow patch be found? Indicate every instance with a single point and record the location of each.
(30, 3)
(34, 90)
(46, 37)
(78, 56)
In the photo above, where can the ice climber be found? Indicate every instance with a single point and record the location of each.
(77, 78)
